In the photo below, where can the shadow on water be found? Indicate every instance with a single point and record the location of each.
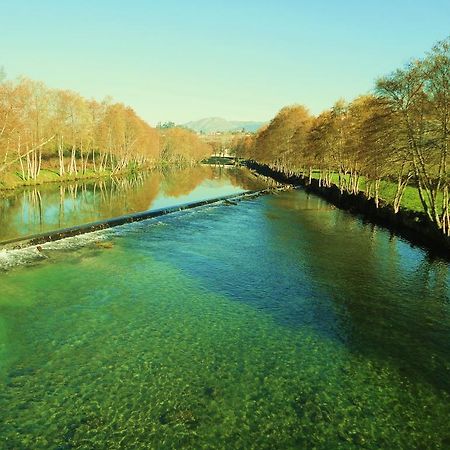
(391, 301)
(308, 264)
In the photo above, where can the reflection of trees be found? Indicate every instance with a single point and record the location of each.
(50, 207)
(24, 206)
(385, 308)
(184, 181)
(120, 196)
(244, 178)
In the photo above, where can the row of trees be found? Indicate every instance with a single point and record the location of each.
(400, 133)
(41, 126)
(180, 146)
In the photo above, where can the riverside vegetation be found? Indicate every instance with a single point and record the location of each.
(392, 145)
(53, 135)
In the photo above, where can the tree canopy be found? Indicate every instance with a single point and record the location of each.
(62, 130)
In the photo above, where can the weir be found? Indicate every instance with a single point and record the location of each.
(41, 238)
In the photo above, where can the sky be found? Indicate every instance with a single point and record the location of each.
(241, 60)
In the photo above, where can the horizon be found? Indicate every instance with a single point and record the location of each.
(180, 63)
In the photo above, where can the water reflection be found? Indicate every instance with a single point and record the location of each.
(52, 206)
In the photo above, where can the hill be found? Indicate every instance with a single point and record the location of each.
(216, 124)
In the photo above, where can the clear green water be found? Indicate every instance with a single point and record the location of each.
(277, 323)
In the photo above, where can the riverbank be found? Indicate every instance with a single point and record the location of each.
(412, 225)
(14, 181)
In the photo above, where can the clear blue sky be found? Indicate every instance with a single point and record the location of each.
(243, 60)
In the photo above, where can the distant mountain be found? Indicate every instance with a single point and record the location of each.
(215, 124)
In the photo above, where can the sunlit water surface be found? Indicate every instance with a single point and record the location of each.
(280, 322)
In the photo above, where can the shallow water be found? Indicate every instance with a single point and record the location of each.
(54, 206)
(281, 322)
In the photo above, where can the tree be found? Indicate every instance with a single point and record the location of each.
(419, 93)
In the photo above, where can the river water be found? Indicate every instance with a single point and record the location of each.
(53, 206)
(280, 322)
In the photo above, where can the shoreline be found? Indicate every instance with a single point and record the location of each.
(413, 226)
(91, 176)
(66, 179)
(6, 188)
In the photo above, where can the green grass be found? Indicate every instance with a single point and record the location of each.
(410, 200)
(219, 160)
(14, 180)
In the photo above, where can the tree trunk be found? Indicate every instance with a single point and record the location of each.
(377, 192)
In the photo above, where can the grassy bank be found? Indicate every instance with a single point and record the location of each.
(220, 160)
(410, 200)
(14, 180)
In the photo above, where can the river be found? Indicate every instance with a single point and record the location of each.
(279, 322)
(52, 206)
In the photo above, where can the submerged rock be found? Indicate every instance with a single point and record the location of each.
(40, 250)
(107, 244)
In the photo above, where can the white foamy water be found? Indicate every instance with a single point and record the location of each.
(11, 258)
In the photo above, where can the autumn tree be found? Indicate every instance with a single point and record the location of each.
(274, 143)
(181, 146)
(419, 93)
